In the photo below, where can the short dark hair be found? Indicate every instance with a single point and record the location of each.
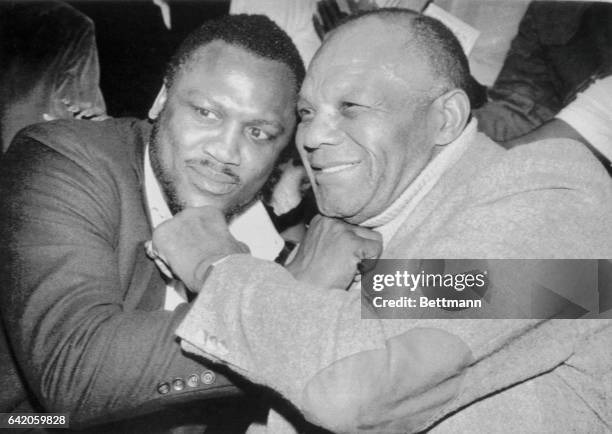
(439, 46)
(255, 33)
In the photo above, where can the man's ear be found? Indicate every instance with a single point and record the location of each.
(453, 110)
(159, 103)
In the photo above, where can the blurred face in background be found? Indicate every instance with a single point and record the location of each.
(220, 127)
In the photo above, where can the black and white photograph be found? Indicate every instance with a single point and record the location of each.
(306, 216)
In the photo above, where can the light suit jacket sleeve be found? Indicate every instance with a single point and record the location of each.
(349, 374)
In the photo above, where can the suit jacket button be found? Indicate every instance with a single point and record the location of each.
(178, 384)
(193, 380)
(208, 377)
(163, 388)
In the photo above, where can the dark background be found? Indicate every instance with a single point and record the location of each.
(134, 46)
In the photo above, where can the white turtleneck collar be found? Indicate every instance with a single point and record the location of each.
(389, 221)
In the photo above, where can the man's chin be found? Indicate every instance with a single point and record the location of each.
(200, 203)
(230, 209)
(332, 211)
(181, 203)
(333, 207)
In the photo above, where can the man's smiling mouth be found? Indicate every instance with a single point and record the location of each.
(335, 167)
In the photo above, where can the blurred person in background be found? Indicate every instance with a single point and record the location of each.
(560, 49)
(587, 119)
(49, 68)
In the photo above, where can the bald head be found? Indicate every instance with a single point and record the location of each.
(418, 35)
(352, 49)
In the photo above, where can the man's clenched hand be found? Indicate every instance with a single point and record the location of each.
(332, 249)
(191, 241)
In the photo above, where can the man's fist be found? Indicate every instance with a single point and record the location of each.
(192, 241)
(332, 249)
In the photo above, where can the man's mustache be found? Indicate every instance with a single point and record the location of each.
(217, 167)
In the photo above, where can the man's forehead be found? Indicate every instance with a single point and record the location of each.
(220, 57)
(224, 56)
(371, 47)
(231, 77)
(368, 35)
(218, 53)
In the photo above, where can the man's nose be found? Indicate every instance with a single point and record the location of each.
(226, 145)
(322, 130)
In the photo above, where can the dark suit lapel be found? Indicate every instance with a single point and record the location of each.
(147, 289)
(143, 135)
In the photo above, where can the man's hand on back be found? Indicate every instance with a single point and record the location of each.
(331, 251)
(191, 241)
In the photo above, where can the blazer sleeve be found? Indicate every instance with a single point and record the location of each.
(62, 301)
(349, 374)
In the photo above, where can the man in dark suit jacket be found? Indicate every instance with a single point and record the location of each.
(81, 302)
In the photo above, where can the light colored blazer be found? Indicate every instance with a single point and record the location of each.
(545, 200)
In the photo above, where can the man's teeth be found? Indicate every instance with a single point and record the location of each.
(337, 168)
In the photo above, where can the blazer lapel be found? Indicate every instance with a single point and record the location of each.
(147, 288)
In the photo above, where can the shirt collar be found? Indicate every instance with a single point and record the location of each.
(157, 206)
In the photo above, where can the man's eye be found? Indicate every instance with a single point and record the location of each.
(205, 113)
(259, 134)
(351, 109)
(349, 105)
